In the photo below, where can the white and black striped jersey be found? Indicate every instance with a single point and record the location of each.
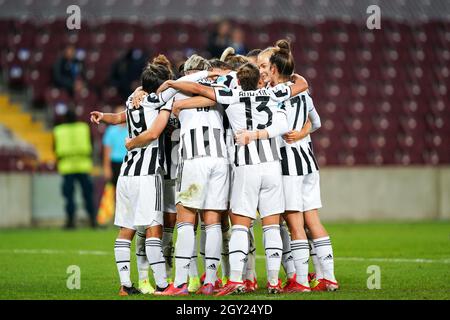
(228, 81)
(147, 160)
(201, 131)
(171, 141)
(254, 110)
(298, 157)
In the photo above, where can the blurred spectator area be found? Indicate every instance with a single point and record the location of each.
(15, 154)
(383, 95)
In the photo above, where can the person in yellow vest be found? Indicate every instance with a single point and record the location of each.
(73, 149)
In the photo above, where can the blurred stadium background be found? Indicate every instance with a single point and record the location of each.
(383, 95)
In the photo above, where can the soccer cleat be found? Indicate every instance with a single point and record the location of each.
(325, 285)
(158, 291)
(171, 290)
(224, 280)
(249, 286)
(274, 289)
(145, 287)
(128, 291)
(194, 284)
(206, 289)
(294, 286)
(231, 287)
(290, 280)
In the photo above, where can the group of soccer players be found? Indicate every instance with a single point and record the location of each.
(230, 139)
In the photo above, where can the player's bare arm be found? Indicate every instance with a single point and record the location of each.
(151, 134)
(300, 84)
(109, 118)
(296, 135)
(193, 88)
(192, 103)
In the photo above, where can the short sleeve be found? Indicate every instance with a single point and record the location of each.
(280, 93)
(226, 96)
(168, 105)
(152, 101)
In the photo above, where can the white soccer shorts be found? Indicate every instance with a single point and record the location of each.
(169, 196)
(258, 187)
(203, 183)
(302, 193)
(139, 201)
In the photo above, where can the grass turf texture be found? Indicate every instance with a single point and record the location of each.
(28, 271)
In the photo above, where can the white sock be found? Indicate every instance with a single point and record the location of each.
(183, 252)
(122, 254)
(167, 247)
(225, 262)
(213, 245)
(273, 246)
(300, 252)
(238, 252)
(193, 268)
(315, 260)
(141, 256)
(202, 244)
(287, 260)
(155, 257)
(250, 273)
(324, 252)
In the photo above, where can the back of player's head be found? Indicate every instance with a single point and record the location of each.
(196, 63)
(248, 75)
(156, 72)
(254, 53)
(217, 64)
(163, 61)
(282, 58)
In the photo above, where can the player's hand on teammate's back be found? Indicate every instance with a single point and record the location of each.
(292, 136)
(96, 117)
(138, 96)
(244, 137)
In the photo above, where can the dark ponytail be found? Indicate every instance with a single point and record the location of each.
(282, 58)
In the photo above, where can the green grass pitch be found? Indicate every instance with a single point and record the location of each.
(33, 263)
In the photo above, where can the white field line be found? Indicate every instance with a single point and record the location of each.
(106, 253)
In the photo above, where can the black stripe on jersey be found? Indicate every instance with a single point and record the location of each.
(217, 139)
(152, 165)
(304, 110)
(193, 142)
(130, 163)
(247, 155)
(260, 149)
(167, 142)
(308, 163)
(273, 146)
(137, 170)
(284, 162)
(206, 140)
(157, 195)
(236, 150)
(312, 156)
(298, 161)
(296, 100)
(183, 149)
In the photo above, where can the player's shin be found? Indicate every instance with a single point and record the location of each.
(141, 257)
(122, 255)
(300, 253)
(273, 246)
(155, 257)
(287, 259)
(167, 247)
(212, 252)
(238, 252)
(324, 252)
(183, 252)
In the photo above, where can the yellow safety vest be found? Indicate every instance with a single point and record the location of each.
(73, 148)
